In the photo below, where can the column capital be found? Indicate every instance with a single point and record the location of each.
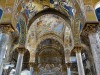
(90, 27)
(69, 64)
(31, 64)
(6, 27)
(21, 50)
(78, 48)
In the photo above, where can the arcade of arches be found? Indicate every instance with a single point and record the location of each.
(49, 37)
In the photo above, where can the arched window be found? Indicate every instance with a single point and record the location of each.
(1, 12)
(97, 10)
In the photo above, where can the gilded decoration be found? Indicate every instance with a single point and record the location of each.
(49, 37)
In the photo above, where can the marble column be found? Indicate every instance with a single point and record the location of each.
(90, 31)
(5, 36)
(1, 68)
(79, 60)
(68, 68)
(31, 68)
(95, 51)
(21, 51)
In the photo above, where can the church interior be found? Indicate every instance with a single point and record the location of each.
(49, 37)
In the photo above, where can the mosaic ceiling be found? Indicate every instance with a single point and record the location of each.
(48, 24)
(12, 9)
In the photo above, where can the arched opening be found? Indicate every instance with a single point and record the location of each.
(87, 59)
(26, 58)
(49, 56)
(50, 51)
(45, 40)
(49, 21)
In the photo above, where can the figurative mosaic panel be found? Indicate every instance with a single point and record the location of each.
(50, 69)
(49, 23)
(23, 30)
(32, 7)
(67, 34)
(78, 11)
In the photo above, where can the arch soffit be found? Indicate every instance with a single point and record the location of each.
(61, 53)
(51, 36)
(47, 36)
(49, 11)
(79, 14)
